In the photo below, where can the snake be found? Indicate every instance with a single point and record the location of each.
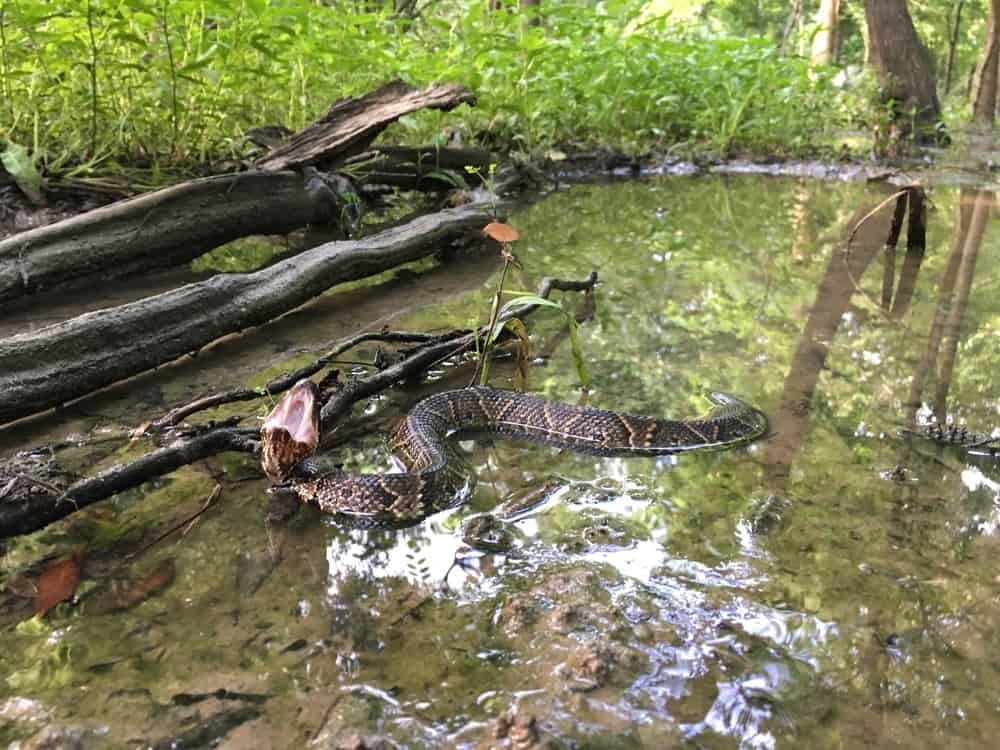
(435, 473)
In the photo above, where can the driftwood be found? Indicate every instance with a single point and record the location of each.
(165, 228)
(351, 124)
(32, 512)
(70, 359)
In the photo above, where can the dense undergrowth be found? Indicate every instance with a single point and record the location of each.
(93, 85)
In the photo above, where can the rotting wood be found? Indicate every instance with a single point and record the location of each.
(23, 515)
(67, 360)
(350, 125)
(161, 229)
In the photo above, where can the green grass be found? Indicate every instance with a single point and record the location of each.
(92, 85)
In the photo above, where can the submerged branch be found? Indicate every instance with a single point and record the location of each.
(27, 514)
(65, 361)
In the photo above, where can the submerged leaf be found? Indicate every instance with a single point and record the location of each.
(57, 583)
(123, 595)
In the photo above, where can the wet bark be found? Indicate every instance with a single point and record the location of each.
(987, 72)
(65, 361)
(160, 229)
(351, 124)
(902, 63)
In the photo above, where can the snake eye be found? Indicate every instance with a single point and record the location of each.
(291, 431)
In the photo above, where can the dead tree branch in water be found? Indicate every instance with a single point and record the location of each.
(33, 512)
(65, 361)
(286, 381)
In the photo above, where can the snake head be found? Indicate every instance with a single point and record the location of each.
(291, 431)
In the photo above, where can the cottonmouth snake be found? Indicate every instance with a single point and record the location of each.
(435, 473)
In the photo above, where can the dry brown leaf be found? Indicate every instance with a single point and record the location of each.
(500, 232)
(57, 583)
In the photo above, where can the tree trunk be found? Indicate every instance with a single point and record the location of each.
(985, 106)
(824, 45)
(903, 64)
(794, 12)
(956, 28)
(179, 223)
(61, 362)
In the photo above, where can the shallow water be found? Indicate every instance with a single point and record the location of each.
(832, 586)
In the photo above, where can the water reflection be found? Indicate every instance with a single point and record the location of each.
(833, 586)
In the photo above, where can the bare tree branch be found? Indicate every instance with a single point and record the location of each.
(27, 514)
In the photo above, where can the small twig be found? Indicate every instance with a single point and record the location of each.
(427, 356)
(186, 524)
(286, 381)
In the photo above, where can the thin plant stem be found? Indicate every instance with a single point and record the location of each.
(93, 79)
(4, 63)
(482, 368)
(173, 75)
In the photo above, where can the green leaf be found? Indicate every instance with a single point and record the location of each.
(21, 167)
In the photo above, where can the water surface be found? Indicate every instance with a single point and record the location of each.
(833, 586)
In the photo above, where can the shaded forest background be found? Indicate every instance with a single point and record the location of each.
(101, 86)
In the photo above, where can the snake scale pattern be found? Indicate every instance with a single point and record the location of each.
(435, 473)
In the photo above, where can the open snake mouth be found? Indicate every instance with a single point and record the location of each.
(291, 431)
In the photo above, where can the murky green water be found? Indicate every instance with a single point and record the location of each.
(834, 586)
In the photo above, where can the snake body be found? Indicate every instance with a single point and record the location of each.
(435, 473)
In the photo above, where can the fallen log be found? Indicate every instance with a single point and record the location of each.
(67, 360)
(177, 224)
(29, 513)
(161, 229)
(351, 124)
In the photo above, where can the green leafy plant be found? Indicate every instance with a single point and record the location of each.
(172, 85)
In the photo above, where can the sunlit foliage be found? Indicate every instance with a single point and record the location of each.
(165, 83)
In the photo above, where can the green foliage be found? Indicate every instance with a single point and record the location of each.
(579, 361)
(19, 165)
(164, 83)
